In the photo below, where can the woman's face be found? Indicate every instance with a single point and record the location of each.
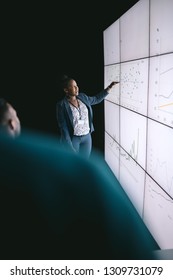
(72, 89)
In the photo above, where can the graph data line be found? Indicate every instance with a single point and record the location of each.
(166, 105)
(161, 95)
(166, 71)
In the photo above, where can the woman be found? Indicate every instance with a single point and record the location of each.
(75, 116)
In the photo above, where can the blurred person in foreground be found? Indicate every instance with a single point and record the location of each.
(55, 204)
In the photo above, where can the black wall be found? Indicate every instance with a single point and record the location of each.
(42, 41)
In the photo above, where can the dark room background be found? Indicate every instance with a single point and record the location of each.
(42, 41)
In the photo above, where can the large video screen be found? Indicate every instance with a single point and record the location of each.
(138, 112)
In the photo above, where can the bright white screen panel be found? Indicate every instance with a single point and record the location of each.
(135, 32)
(111, 44)
(112, 73)
(160, 155)
(158, 214)
(142, 158)
(161, 27)
(161, 89)
(133, 135)
(112, 120)
(112, 154)
(134, 85)
(132, 178)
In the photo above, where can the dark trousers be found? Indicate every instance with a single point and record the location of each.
(83, 144)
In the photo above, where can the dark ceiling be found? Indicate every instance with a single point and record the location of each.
(41, 41)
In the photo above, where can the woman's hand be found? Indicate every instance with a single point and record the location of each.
(111, 85)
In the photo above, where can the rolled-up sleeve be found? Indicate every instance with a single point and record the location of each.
(98, 98)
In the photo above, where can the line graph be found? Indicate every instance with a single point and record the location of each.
(132, 179)
(161, 89)
(162, 168)
(134, 150)
(160, 155)
(133, 135)
(158, 213)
